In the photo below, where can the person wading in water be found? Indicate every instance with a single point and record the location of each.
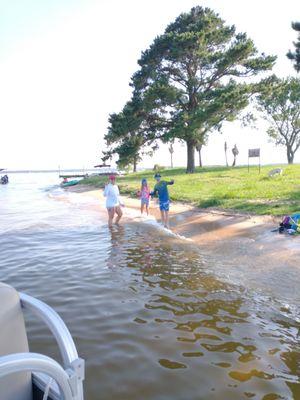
(113, 201)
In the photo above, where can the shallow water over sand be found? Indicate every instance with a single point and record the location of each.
(149, 312)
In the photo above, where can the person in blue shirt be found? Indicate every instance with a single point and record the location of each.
(161, 188)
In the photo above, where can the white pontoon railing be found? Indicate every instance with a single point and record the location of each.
(69, 378)
(32, 362)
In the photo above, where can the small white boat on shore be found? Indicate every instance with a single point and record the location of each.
(32, 376)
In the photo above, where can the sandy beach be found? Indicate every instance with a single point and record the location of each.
(243, 248)
(244, 238)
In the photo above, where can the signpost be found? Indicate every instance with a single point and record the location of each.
(254, 153)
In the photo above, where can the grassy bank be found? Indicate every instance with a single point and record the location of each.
(225, 188)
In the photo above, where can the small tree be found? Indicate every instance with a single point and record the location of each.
(296, 55)
(107, 156)
(225, 150)
(281, 108)
(128, 152)
(171, 151)
(199, 148)
(235, 152)
(123, 136)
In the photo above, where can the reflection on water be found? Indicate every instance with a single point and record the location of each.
(146, 313)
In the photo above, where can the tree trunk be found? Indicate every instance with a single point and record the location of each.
(290, 155)
(171, 160)
(234, 161)
(134, 164)
(190, 157)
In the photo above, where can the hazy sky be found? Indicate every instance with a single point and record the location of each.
(66, 64)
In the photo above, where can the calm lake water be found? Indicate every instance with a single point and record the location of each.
(149, 313)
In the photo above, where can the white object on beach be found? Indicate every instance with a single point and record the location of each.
(276, 171)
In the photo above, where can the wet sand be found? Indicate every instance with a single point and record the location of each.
(235, 235)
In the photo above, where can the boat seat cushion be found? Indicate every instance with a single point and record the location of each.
(13, 339)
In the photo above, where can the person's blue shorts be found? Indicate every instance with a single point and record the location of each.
(145, 201)
(164, 205)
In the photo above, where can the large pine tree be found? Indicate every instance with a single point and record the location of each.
(194, 76)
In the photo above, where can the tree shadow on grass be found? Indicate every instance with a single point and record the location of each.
(178, 171)
(295, 196)
(212, 202)
(286, 206)
(266, 208)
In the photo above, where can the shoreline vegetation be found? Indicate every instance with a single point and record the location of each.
(223, 189)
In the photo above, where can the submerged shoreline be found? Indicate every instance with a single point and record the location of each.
(236, 238)
(203, 226)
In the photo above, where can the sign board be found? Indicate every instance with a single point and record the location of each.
(254, 153)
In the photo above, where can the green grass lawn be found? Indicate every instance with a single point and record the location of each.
(225, 188)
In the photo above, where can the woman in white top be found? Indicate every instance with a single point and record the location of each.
(113, 202)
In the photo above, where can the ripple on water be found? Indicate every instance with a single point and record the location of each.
(147, 315)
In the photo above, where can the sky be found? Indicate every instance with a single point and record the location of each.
(65, 65)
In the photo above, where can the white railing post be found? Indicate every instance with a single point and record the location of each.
(33, 362)
(58, 328)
